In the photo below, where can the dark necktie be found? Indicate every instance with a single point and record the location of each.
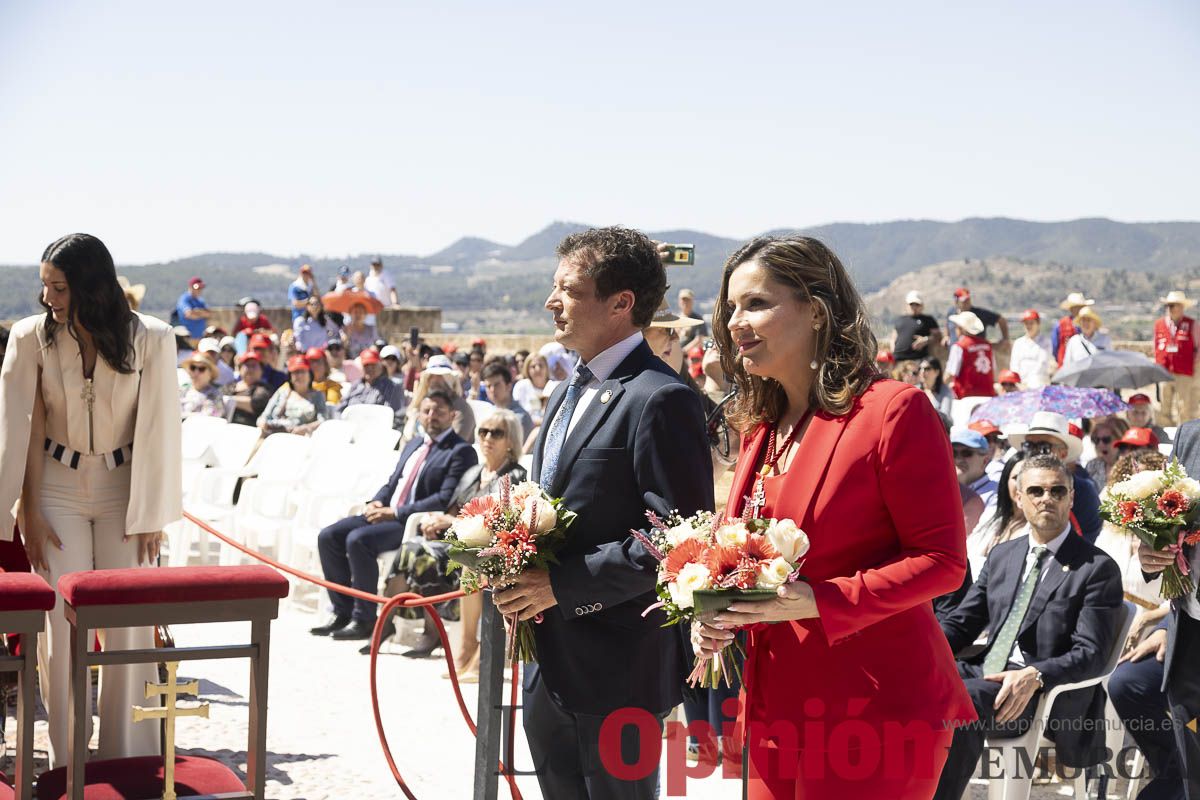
(558, 428)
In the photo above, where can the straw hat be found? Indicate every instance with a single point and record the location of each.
(1075, 300)
(969, 322)
(199, 358)
(1174, 297)
(1087, 312)
(1049, 424)
(665, 318)
(135, 291)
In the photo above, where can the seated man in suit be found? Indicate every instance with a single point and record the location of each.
(424, 480)
(1052, 601)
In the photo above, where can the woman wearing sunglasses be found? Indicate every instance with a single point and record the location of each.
(202, 397)
(1106, 432)
(90, 446)
(421, 565)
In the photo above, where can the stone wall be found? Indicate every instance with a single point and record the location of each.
(393, 323)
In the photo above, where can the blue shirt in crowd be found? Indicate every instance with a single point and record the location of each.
(186, 303)
(298, 291)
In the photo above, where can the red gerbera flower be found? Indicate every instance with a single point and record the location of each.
(1172, 503)
(1131, 511)
(759, 547)
(1192, 538)
(690, 551)
(480, 506)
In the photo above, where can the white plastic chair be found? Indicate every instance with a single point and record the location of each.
(234, 444)
(369, 419)
(378, 439)
(960, 410)
(527, 462)
(1016, 786)
(333, 432)
(199, 434)
(210, 499)
(312, 514)
(482, 409)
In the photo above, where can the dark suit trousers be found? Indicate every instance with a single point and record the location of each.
(349, 549)
(1183, 694)
(565, 747)
(968, 741)
(1135, 689)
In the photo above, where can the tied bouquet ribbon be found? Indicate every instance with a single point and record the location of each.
(1181, 560)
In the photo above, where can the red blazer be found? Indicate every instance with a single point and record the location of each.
(876, 492)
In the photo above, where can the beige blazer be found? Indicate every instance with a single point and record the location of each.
(141, 408)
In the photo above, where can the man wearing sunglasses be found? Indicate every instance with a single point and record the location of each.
(1052, 602)
(1049, 433)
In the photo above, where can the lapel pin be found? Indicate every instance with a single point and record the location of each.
(604, 398)
(1066, 568)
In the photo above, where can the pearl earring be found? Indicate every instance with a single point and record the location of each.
(813, 364)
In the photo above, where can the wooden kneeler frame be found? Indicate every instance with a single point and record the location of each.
(24, 600)
(171, 596)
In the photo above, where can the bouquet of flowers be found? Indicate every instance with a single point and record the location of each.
(1160, 507)
(499, 536)
(706, 563)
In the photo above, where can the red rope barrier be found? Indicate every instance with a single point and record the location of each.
(390, 604)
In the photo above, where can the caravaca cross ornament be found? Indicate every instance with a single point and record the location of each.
(775, 452)
(169, 711)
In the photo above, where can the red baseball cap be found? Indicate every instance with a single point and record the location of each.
(369, 356)
(1031, 315)
(315, 353)
(196, 281)
(1139, 399)
(1075, 430)
(962, 292)
(479, 342)
(297, 363)
(885, 357)
(1138, 437)
(1008, 376)
(984, 427)
(260, 340)
(249, 355)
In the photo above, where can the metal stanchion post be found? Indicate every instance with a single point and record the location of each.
(490, 714)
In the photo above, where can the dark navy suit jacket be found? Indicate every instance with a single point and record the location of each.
(450, 458)
(1067, 632)
(639, 444)
(1187, 451)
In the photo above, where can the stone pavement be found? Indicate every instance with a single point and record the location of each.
(321, 733)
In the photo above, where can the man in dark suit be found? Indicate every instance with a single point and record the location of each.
(621, 436)
(1181, 681)
(1053, 602)
(424, 480)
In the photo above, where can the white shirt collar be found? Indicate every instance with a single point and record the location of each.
(1054, 544)
(603, 364)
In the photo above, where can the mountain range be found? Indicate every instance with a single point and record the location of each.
(488, 275)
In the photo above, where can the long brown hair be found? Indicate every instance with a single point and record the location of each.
(845, 348)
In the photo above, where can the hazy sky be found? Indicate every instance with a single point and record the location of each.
(170, 129)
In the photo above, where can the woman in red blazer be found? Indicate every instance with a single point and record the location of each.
(853, 691)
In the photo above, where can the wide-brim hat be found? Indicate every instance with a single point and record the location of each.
(665, 318)
(440, 365)
(136, 291)
(969, 322)
(1176, 297)
(1048, 423)
(198, 358)
(1075, 300)
(1087, 312)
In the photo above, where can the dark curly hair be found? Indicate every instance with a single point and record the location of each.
(620, 259)
(845, 348)
(98, 303)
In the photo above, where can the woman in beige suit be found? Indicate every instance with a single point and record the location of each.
(90, 463)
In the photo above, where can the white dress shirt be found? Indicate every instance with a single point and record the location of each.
(397, 500)
(601, 367)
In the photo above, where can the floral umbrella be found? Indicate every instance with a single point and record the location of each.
(1070, 401)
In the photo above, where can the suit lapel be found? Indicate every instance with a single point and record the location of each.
(1055, 571)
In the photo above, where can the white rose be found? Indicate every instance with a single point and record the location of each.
(680, 534)
(523, 491)
(732, 535)
(1140, 485)
(546, 519)
(1189, 487)
(472, 531)
(692, 577)
(788, 539)
(773, 574)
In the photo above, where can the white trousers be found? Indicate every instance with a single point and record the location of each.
(86, 507)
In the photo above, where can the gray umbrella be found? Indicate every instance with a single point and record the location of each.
(1113, 369)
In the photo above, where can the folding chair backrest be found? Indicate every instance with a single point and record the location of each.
(234, 444)
(333, 432)
(199, 434)
(281, 455)
(368, 418)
